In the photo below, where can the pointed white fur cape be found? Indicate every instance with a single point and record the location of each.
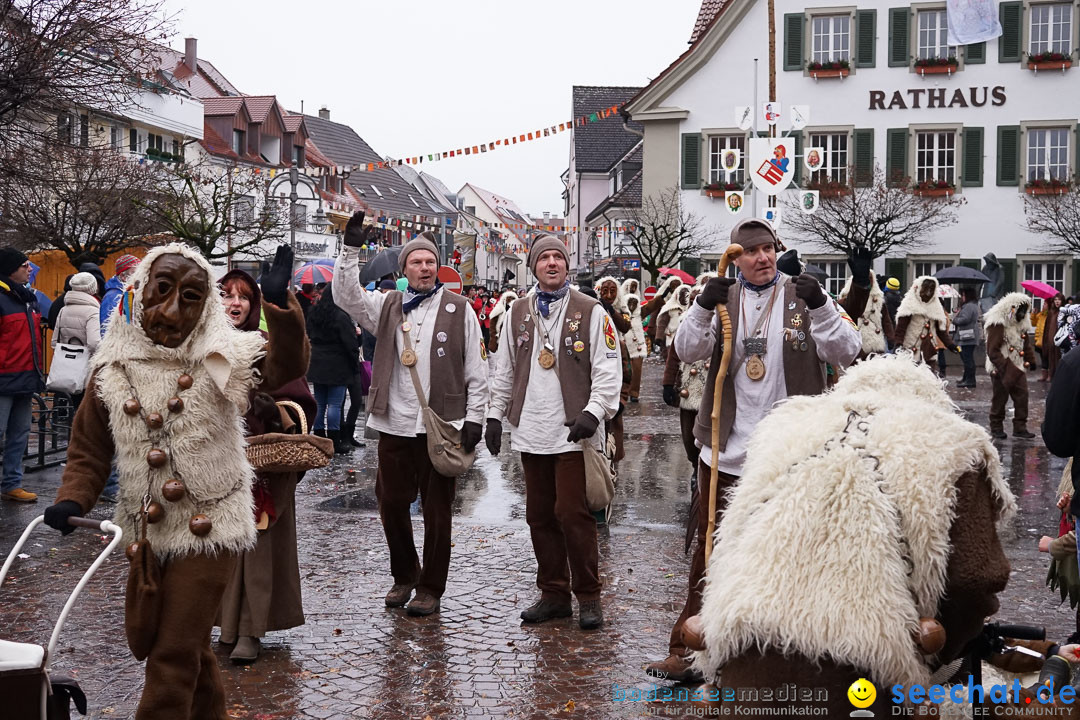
(1004, 314)
(873, 335)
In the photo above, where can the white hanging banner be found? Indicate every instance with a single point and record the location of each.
(729, 160)
(772, 216)
(972, 21)
(814, 158)
(808, 201)
(744, 117)
(733, 201)
(800, 116)
(771, 164)
(771, 112)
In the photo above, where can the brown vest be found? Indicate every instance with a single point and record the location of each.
(446, 385)
(574, 367)
(804, 374)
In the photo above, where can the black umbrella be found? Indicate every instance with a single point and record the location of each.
(960, 275)
(385, 263)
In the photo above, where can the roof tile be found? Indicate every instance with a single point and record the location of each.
(706, 13)
(598, 145)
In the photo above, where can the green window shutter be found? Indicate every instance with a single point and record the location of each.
(973, 157)
(973, 263)
(691, 160)
(1076, 277)
(1008, 269)
(899, 20)
(798, 160)
(896, 149)
(865, 38)
(975, 54)
(1076, 165)
(1008, 155)
(862, 142)
(1011, 15)
(793, 41)
(897, 268)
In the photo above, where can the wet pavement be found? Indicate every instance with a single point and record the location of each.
(355, 658)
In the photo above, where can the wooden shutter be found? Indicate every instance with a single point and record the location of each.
(865, 38)
(1008, 155)
(862, 142)
(1076, 144)
(798, 159)
(897, 268)
(896, 148)
(1076, 277)
(691, 160)
(1008, 269)
(899, 20)
(973, 263)
(1011, 15)
(975, 54)
(793, 41)
(972, 175)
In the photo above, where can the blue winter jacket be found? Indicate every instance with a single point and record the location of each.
(114, 290)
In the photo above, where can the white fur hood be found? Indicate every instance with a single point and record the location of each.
(1004, 312)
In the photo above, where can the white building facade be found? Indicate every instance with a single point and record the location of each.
(990, 123)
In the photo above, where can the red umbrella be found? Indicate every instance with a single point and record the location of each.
(313, 273)
(1040, 289)
(681, 274)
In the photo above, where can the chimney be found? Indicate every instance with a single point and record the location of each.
(191, 54)
(324, 113)
(547, 216)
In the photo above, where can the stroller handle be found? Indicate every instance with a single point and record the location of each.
(101, 525)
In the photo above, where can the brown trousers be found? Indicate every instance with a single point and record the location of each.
(562, 528)
(182, 677)
(697, 565)
(686, 425)
(1000, 397)
(635, 380)
(404, 469)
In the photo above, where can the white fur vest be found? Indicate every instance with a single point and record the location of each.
(1004, 314)
(873, 335)
(204, 441)
(872, 526)
(926, 317)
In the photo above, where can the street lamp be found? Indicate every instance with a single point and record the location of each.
(296, 178)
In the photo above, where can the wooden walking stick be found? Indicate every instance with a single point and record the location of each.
(733, 251)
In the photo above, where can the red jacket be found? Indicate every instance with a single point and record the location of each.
(21, 362)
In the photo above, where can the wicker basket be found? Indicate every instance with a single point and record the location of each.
(289, 452)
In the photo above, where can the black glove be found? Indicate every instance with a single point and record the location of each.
(860, 262)
(57, 516)
(810, 291)
(354, 230)
(275, 281)
(715, 292)
(470, 435)
(582, 428)
(493, 436)
(670, 396)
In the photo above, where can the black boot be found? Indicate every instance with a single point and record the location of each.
(348, 434)
(997, 431)
(319, 433)
(341, 446)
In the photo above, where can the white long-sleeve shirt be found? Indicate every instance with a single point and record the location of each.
(403, 414)
(837, 342)
(542, 429)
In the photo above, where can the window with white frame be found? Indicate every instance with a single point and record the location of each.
(244, 211)
(834, 165)
(931, 267)
(717, 145)
(837, 276)
(831, 38)
(1051, 28)
(1051, 273)
(1048, 154)
(935, 156)
(933, 35)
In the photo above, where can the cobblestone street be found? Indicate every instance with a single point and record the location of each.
(355, 658)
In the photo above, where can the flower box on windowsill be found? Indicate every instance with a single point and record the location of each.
(935, 192)
(1055, 189)
(719, 192)
(1045, 65)
(823, 74)
(936, 69)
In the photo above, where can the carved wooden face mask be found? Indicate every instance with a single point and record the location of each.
(926, 292)
(173, 299)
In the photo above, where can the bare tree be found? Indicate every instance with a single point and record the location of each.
(663, 232)
(1056, 218)
(221, 210)
(87, 202)
(878, 215)
(60, 54)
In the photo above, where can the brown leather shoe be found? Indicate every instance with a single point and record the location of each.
(423, 604)
(399, 594)
(543, 610)
(674, 668)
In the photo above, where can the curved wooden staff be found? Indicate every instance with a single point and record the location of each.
(733, 251)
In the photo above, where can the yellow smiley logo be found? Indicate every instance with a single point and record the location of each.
(862, 693)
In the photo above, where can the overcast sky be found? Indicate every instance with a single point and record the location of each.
(421, 76)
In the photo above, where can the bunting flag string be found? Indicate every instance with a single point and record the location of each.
(475, 149)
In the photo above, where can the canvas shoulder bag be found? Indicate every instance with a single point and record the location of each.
(447, 454)
(67, 373)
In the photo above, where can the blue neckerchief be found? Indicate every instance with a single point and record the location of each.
(544, 299)
(757, 288)
(415, 297)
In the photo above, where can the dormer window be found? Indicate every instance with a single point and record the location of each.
(238, 145)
